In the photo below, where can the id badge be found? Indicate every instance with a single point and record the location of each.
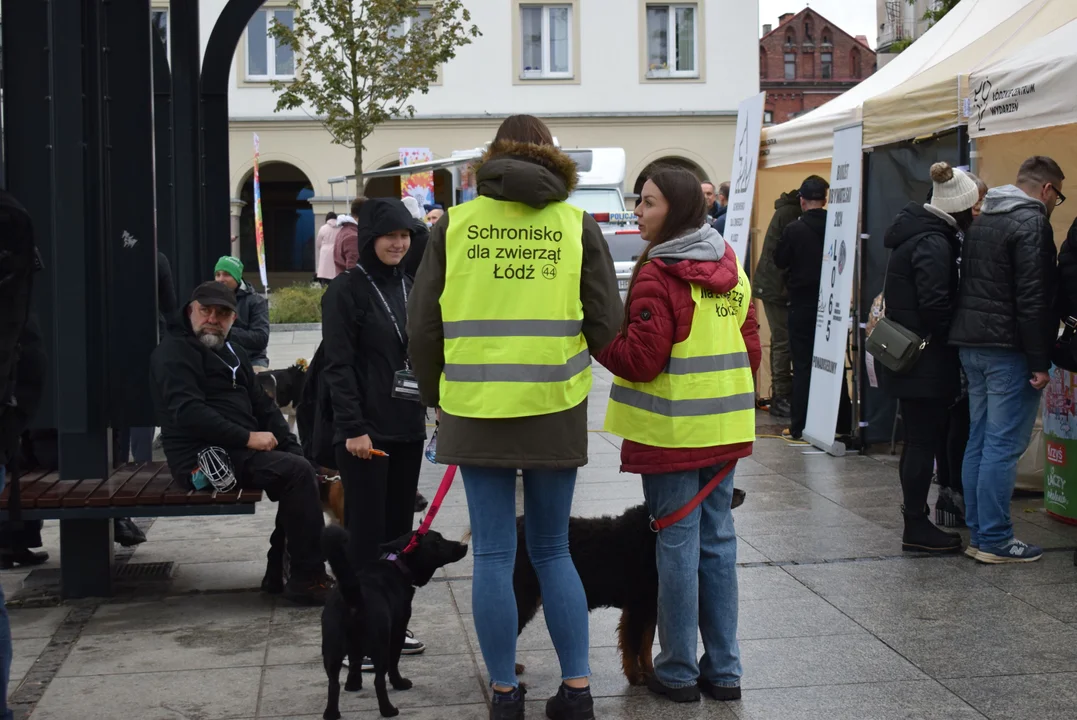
(405, 386)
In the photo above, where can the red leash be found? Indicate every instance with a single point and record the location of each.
(675, 517)
(428, 519)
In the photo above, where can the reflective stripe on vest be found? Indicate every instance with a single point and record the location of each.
(705, 397)
(511, 310)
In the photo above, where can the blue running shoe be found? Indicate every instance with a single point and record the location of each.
(1014, 551)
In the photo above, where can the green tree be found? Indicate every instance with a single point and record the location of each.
(359, 61)
(936, 13)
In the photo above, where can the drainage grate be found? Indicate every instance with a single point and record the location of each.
(145, 571)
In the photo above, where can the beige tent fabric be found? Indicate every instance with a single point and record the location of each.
(933, 100)
(811, 137)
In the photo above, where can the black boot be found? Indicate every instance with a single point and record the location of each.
(126, 533)
(921, 536)
(23, 556)
(508, 705)
(571, 704)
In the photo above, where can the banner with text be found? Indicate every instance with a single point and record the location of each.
(835, 289)
(738, 222)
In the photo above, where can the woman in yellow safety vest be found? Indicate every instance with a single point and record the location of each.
(683, 399)
(514, 293)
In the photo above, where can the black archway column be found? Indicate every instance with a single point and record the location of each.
(191, 264)
(216, 185)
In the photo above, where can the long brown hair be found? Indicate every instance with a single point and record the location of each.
(687, 212)
(524, 129)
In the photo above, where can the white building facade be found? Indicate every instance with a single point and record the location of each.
(660, 79)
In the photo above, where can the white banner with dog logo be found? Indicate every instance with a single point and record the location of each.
(832, 321)
(738, 221)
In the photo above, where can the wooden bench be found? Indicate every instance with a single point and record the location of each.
(85, 509)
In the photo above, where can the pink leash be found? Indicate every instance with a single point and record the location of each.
(428, 519)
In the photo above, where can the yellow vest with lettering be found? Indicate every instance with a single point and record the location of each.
(705, 397)
(511, 310)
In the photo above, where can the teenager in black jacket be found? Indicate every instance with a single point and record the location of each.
(921, 294)
(364, 339)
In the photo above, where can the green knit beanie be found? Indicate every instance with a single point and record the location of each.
(231, 265)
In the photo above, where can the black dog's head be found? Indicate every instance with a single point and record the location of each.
(431, 552)
(285, 386)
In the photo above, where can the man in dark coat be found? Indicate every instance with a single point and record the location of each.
(206, 396)
(1005, 326)
(251, 328)
(800, 255)
(768, 284)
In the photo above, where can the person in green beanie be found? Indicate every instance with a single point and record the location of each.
(251, 329)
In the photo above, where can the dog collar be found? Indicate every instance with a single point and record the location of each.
(398, 561)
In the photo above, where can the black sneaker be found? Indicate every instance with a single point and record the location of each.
(721, 693)
(24, 557)
(413, 646)
(309, 593)
(781, 408)
(508, 705)
(571, 704)
(126, 533)
(678, 695)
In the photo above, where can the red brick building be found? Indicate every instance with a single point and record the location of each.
(806, 61)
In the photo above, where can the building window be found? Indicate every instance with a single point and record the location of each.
(790, 39)
(159, 22)
(547, 41)
(768, 117)
(421, 16)
(855, 64)
(808, 37)
(790, 66)
(267, 59)
(828, 65)
(826, 36)
(671, 41)
(762, 63)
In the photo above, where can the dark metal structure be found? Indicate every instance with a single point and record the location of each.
(117, 150)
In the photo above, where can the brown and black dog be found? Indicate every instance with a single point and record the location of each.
(615, 557)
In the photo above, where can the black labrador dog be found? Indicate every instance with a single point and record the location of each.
(368, 611)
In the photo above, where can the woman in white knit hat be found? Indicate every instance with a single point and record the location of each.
(920, 295)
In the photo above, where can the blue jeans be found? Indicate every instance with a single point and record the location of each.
(1002, 410)
(5, 637)
(491, 502)
(697, 580)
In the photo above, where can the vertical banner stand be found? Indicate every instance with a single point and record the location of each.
(259, 233)
(742, 175)
(832, 325)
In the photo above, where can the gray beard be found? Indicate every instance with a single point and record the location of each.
(213, 342)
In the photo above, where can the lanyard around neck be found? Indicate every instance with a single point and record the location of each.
(233, 369)
(385, 304)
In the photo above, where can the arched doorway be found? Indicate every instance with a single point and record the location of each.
(287, 222)
(386, 187)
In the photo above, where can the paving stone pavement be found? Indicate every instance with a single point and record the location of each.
(835, 624)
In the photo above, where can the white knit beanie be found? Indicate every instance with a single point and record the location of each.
(953, 190)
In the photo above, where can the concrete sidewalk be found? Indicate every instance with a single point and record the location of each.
(835, 624)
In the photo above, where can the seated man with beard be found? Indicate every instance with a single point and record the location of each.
(205, 395)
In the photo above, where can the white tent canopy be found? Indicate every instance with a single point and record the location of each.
(1028, 90)
(811, 136)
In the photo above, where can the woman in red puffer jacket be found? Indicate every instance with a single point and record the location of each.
(684, 401)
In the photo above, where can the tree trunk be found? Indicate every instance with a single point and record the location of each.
(358, 167)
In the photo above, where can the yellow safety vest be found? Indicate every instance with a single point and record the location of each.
(511, 310)
(705, 397)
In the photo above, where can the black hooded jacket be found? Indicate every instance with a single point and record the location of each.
(800, 254)
(1008, 277)
(199, 405)
(360, 343)
(920, 294)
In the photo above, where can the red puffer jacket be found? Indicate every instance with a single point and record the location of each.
(660, 315)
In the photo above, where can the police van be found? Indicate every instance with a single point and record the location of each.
(600, 193)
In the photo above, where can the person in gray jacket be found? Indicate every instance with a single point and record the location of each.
(251, 329)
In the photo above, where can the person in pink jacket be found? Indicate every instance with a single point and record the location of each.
(324, 267)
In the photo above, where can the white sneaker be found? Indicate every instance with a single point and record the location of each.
(412, 646)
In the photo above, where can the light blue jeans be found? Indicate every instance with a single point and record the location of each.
(491, 502)
(697, 580)
(1002, 411)
(5, 637)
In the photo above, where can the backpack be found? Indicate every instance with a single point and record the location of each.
(314, 415)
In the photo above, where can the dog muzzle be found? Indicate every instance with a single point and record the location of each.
(214, 471)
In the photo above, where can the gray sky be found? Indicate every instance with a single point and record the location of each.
(856, 17)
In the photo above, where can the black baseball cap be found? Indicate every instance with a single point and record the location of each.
(213, 293)
(814, 188)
